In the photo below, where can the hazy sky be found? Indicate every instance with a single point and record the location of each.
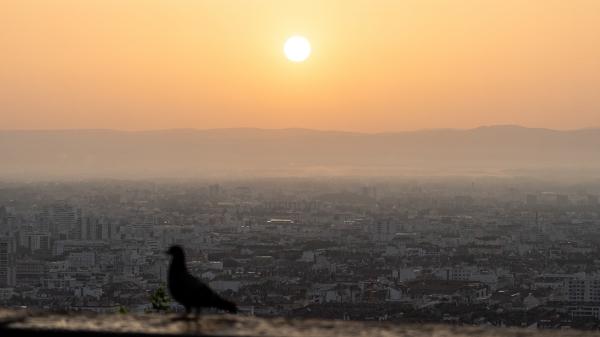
(375, 66)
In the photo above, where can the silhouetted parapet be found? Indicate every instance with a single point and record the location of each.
(39, 324)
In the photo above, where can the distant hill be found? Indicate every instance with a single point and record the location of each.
(252, 152)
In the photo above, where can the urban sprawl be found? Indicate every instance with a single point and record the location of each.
(476, 251)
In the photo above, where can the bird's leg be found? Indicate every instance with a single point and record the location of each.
(184, 316)
(198, 311)
(188, 310)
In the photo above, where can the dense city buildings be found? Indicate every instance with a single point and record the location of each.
(483, 251)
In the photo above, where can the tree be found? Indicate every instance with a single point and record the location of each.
(160, 300)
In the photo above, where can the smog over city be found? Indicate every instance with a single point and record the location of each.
(362, 164)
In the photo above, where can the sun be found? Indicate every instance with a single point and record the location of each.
(297, 48)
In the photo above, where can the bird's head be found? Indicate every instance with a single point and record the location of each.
(175, 251)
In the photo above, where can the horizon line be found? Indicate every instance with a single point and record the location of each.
(516, 126)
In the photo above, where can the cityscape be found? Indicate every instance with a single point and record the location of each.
(300, 168)
(479, 251)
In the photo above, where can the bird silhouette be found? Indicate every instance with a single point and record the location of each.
(190, 291)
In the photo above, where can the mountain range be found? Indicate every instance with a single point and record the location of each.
(258, 152)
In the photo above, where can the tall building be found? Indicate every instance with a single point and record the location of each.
(531, 200)
(592, 200)
(562, 200)
(214, 191)
(4, 261)
(96, 229)
(35, 241)
(3, 221)
(3, 215)
(7, 221)
(584, 288)
(369, 191)
(64, 221)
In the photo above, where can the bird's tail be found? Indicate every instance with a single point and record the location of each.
(226, 305)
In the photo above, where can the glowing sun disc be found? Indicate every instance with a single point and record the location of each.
(297, 48)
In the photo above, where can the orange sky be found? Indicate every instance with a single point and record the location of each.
(376, 65)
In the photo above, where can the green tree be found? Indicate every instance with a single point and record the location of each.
(160, 300)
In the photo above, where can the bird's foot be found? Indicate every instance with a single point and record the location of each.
(185, 318)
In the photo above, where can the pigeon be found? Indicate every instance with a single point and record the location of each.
(189, 291)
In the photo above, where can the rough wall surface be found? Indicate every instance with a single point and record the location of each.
(24, 323)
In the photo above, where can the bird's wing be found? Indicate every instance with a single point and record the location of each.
(197, 290)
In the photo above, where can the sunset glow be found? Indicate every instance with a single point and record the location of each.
(375, 66)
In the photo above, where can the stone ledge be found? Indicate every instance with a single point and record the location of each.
(43, 324)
